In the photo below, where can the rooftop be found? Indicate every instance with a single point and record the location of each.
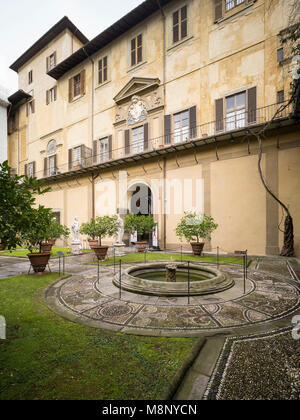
(137, 15)
(59, 27)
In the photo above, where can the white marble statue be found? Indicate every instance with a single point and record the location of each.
(120, 233)
(75, 231)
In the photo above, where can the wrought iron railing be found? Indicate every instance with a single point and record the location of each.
(231, 123)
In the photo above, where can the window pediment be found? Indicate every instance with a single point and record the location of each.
(136, 86)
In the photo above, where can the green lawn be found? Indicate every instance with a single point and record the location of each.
(47, 357)
(22, 253)
(154, 256)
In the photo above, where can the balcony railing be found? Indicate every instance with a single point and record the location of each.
(232, 123)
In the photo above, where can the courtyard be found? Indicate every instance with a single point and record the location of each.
(77, 336)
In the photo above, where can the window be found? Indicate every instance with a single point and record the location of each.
(137, 50)
(52, 165)
(51, 95)
(180, 24)
(280, 96)
(230, 4)
(30, 107)
(236, 111)
(280, 55)
(77, 86)
(30, 169)
(102, 70)
(104, 150)
(77, 156)
(30, 77)
(138, 139)
(52, 61)
(181, 127)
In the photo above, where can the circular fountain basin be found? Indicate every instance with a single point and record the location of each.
(150, 280)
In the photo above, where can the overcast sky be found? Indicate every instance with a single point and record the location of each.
(23, 22)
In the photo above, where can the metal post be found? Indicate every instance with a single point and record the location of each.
(120, 279)
(98, 270)
(145, 256)
(59, 265)
(188, 282)
(114, 260)
(218, 263)
(64, 264)
(181, 253)
(246, 264)
(244, 261)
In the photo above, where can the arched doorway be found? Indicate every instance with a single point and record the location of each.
(140, 202)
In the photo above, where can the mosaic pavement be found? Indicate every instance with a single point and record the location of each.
(84, 299)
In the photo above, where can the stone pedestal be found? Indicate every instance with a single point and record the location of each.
(76, 247)
(119, 249)
(171, 273)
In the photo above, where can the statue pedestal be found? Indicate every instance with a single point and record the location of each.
(76, 247)
(119, 249)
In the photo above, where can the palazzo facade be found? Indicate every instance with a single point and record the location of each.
(165, 103)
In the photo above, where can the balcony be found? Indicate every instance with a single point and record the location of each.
(233, 126)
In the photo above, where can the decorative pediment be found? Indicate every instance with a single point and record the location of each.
(136, 86)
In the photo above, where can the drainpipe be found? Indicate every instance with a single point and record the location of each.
(92, 130)
(164, 93)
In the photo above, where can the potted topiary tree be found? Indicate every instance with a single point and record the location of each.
(89, 229)
(194, 227)
(141, 224)
(55, 231)
(105, 226)
(34, 235)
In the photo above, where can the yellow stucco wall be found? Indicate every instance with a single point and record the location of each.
(213, 61)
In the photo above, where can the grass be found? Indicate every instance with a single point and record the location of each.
(22, 253)
(47, 357)
(154, 256)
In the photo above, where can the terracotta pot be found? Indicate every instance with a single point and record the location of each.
(197, 248)
(39, 261)
(100, 251)
(93, 243)
(46, 247)
(141, 246)
(77, 167)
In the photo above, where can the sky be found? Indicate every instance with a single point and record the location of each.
(22, 23)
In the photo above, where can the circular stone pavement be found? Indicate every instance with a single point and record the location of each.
(84, 299)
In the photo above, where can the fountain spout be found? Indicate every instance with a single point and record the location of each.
(171, 273)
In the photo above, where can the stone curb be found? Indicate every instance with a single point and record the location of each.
(181, 372)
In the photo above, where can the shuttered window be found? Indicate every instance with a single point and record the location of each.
(180, 22)
(236, 110)
(104, 150)
(30, 169)
(30, 107)
(77, 85)
(136, 50)
(102, 70)
(280, 96)
(51, 95)
(127, 142)
(30, 77)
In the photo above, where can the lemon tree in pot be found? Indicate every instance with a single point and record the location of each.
(54, 232)
(195, 228)
(89, 229)
(34, 235)
(102, 227)
(141, 224)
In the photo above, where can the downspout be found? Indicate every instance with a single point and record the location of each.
(164, 94)
(92, 129)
